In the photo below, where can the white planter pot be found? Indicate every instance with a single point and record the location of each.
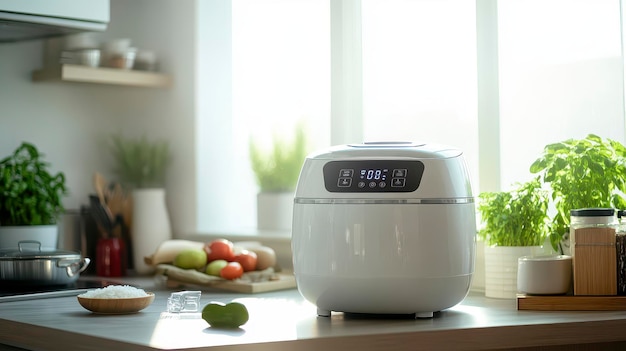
(501, 269)
(275, 211)
(47, 235)
(150, 226)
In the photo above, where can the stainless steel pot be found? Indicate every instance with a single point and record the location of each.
(30, 265)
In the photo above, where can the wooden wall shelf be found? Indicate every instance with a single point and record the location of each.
(101, 75)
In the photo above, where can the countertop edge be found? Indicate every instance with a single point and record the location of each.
(33, 337)
(30, 336)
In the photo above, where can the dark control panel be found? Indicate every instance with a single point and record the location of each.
(379, 176)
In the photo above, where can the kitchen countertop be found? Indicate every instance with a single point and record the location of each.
(283, 320)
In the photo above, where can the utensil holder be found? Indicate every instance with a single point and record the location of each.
(111, 257)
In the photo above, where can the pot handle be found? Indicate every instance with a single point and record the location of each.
(74, 267)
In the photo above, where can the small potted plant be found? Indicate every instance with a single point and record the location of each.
(141, 164)
(515, 225)
(589, 172)
(30, 198)
(277, 172)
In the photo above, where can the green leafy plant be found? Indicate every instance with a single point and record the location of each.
(589, 172)
(279, 169)
(515, 218)
(29, 194)
(140, 163)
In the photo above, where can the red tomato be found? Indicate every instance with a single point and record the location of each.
(220, 249)
(247, 259)
(233, 270)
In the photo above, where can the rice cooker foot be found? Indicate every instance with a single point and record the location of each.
(323, 313)
(424, 315)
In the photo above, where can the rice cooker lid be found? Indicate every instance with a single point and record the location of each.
(395, 149)
(389, 170)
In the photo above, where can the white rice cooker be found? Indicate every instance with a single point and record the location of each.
(384, 228)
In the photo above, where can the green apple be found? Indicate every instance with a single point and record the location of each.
(190, 259)
(215, 267)
(230, 315)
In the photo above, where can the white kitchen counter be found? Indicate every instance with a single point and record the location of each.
(283, 320)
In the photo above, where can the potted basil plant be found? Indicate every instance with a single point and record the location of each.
(277, 171)
(581, 173)
(515, 224)
(30, 198)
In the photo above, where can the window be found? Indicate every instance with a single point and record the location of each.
(560, 76)
(419, 73)
(266, 69)
(417, 70)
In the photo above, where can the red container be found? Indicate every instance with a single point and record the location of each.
(111, 257)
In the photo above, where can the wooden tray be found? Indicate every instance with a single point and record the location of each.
(271, 281)
(571, 303)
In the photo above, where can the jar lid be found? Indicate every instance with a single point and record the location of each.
(592, 212)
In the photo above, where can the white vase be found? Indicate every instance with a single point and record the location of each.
(150, 226)
(47, 235)
(501, 269)
(275, 210)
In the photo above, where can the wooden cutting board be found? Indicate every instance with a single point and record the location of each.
(250, 283)
(571, 303)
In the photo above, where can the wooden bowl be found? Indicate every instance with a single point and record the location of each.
(116, 305)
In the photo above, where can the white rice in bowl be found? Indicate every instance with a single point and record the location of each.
(115, 292)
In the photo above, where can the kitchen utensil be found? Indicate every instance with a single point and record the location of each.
(100, 185)
(544, 275)
(384, 228)
(116, 305)
(101, 214)
(30, 264)
(119, 203)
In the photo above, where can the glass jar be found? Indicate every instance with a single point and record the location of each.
(592, 235)
(620, 248)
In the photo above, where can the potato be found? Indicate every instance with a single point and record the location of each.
(266, 257)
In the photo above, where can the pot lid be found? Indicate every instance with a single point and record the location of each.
(31, 249)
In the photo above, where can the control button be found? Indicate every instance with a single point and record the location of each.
(344, 182)
(399, 173)
(361, 184)
(346, 173)
(382, 184)
(372, 184)
(397, 182)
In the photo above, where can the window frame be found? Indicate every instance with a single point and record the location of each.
(214, 99)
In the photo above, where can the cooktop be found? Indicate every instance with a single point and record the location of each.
(28, 292)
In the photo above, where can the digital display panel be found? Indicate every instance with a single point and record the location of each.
(373, 176)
